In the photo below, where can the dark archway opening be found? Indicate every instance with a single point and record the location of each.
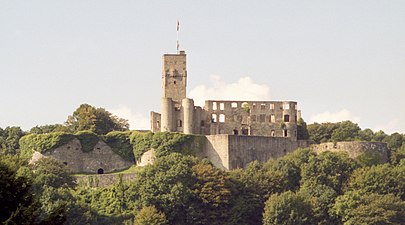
(100, 171)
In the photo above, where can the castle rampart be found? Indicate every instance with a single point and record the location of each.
(236, 151)
(355, 148)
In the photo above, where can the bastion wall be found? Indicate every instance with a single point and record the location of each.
(355, 148)
(101, 159)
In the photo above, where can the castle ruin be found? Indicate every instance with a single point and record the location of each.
(237, 132)
(248, 118)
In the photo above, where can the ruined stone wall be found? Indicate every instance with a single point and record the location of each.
(215, 149)
(355, 148)
(245, 149)
(256, 118)
(101, 157)
(103, 180)
(236, 151)
(155, 121)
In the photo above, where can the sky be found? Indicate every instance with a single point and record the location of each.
(340, 60)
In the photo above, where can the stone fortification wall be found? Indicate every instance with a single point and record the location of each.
(103, 180)
(236, 151)
(215, 149)
(101, 157)
(243, 149)
(355, 148)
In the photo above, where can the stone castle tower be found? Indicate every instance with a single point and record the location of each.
(177, 109)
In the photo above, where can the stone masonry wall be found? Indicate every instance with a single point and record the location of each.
(355, 148)
(236, 151)
(243, 149)
(101, 157)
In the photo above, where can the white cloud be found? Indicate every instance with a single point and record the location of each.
(136, 120)
(334, 117)
(244, 89)
(389, 128)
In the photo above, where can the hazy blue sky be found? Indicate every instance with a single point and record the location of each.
(339, 59)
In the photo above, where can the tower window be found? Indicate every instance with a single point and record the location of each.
(221, 118)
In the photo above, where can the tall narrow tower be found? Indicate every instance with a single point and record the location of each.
(174, 76)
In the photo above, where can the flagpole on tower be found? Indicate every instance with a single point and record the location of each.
(177, 42)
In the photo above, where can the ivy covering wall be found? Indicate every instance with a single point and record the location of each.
(129, 145)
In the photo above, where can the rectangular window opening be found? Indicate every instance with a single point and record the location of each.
(272, 118)
(221, 118)
(214, 118)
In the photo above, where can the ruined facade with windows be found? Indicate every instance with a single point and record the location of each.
(250, 118)
(236, 132)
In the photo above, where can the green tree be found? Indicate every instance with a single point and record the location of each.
(380, 179)
(287, 208)
(48, 129)
(321, 132)
(398, 154)
(49, 172)
(98, 120)
(302, 130)
(17, 203)
(322, 199)
(345, 131)
(365, 135)
(379, 136)
(394, 141)
(212, 195)
(9, 140)
(149, 215)
(369, 209)
(167, 185)
(330, 169)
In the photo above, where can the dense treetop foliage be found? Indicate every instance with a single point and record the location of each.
(97, 120)
(299, 188)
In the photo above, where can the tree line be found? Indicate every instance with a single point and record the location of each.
(299, 188)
